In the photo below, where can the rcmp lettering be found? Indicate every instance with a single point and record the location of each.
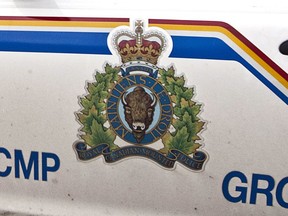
(140, 103)
(25, 166)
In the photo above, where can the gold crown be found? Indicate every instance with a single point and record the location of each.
(137, 46)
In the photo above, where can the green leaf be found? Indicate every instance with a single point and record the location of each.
(100, 87)
(188, 94)
(91, 88)
(193, 128)
(170, 72)
(112, 70)
(87, 119)
(86, 104)
(99, 135)
(99, 77)
(197, 127)
(180, 142)
(178, 90)
(196, 109)
(100, 106)
(180, 81)
(108, 68)
(177, 111)
(165, 75)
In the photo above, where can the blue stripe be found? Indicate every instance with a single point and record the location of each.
(96, 43)
(266, 82)
(202, 48)
(54, 42)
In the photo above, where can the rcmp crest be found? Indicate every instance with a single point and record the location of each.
(140, 104)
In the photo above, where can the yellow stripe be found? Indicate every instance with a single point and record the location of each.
(82, 24)
(233, 38)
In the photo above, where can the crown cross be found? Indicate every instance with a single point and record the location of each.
(139, 45)
(139, 31)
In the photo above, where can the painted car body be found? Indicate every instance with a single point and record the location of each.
(217, 144)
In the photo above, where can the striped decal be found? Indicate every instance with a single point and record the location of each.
(79, 40)
(234, 35)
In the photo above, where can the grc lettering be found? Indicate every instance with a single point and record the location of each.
(255, 190)
(26, 166)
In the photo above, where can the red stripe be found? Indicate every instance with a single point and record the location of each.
(236, 33)
(80, 19)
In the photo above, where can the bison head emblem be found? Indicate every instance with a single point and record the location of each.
(139, 110)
